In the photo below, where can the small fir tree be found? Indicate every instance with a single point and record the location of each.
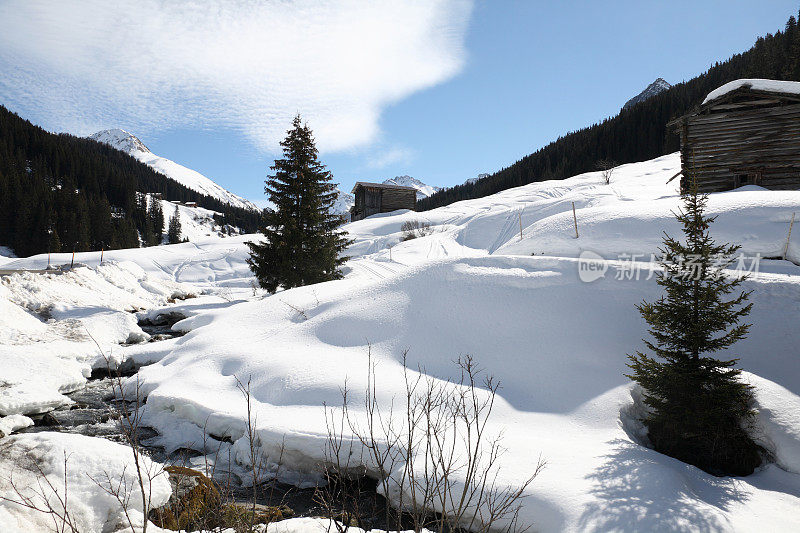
(302, 244)
(174, 230)
(699, 408)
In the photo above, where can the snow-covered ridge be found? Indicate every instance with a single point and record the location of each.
(423, 190)
(658, 86)
(344, 201)
(130, 144)
(477, 178)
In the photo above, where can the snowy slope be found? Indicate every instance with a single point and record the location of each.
(423, 190)
(130, 144)
(557, 344)
(197, 223)
(657, 87)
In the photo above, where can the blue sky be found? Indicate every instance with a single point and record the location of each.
(452, 92)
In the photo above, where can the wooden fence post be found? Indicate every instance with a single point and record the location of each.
(575, 220)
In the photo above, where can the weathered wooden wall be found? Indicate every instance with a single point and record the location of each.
(373, 200)
(393, 199)
(728, 149)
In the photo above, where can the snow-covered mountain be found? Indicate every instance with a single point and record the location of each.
(658, 86)
(343, 203)
(130, 144)
(423, 190)
(477, 178)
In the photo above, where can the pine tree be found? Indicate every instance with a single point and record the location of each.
(302, 244)
(174, 230)
(156, 220)
(698, 405)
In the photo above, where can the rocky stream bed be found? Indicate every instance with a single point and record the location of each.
(96, 412)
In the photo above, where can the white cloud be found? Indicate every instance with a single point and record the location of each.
(397, 154)
(150, 65)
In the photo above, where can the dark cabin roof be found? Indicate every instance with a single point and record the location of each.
(381, 186)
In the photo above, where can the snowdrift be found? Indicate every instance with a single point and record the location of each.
(558, 347)
(471, 286)
(56, 327)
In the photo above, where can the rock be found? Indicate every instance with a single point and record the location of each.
(48, 420)
(197, 503)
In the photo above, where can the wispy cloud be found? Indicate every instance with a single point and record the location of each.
(150, 65)
(391, 156)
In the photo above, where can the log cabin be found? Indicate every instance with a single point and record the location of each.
(373, 198)
(746, 132)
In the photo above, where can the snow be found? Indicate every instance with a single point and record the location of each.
(558, 345)
(130, 144)
(26, 458)
(423, 190)
(313, 525)
(197, 223)
(786, 87)
(477, 178)
(658, 86)
(344, 201)
(10, 424)
(5, 254)
(55, 328)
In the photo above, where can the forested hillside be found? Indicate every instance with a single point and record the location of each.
(61, 192)
(639, 132)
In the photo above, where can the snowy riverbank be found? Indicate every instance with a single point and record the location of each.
(557, 344)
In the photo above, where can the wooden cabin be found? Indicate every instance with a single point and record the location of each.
(374, 198)
(746, 132)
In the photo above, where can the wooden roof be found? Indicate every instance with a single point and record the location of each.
(745, 94)
(381, 186)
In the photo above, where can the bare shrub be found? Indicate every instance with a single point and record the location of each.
(45, 498)
(414, 228)
(433, 457)
(606, 168)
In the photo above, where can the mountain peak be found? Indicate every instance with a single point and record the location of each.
(130, 144)
(121, 140)
(423, 190)
(658, 86)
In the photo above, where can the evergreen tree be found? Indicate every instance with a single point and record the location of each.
(698, 406)
(85, 191)
(155, 217)
(638, 133)
(302, 244)
(174, 230)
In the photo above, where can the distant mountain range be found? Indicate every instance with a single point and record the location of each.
(658, 86)
(130, 144)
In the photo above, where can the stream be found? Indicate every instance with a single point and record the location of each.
(95, 413)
